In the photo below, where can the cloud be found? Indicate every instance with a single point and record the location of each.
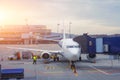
(104, 12)
(83, 13)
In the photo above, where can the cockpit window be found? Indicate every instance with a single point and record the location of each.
(73, 46)
(77, 46)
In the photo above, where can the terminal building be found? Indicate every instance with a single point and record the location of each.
(22, 34)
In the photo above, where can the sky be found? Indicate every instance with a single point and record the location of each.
(82, 16)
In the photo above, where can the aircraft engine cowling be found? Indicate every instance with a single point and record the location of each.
(45, 57)
(91, 57)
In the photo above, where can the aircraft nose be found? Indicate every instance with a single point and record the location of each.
(75, 51)
(75, 54)
(75, 57)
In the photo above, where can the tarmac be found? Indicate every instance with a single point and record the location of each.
(105, 67)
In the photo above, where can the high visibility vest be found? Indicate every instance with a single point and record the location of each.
(34, 58)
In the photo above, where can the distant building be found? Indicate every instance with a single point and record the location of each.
(22, 33)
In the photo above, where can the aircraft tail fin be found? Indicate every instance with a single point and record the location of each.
(64, 35)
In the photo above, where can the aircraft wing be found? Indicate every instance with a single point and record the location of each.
(31, 49)
(54, 38)
(51, 40)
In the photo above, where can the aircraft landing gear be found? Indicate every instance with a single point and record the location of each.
(80, 58)
(73, 67)
(56, 58)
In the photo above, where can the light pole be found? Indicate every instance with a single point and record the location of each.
(70, 29)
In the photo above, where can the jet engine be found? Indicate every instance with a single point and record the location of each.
(91, 57)
(45, 57)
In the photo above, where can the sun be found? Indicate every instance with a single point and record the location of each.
(2, 16)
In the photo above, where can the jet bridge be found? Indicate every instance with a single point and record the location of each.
(99, 45)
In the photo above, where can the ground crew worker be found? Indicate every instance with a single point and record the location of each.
(34, 59)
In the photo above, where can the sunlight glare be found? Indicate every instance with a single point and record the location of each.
(2, 16)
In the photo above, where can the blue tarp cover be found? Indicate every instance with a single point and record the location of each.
(12, 71)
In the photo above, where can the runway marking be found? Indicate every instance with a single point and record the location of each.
(100, 70)
(57, 72)
(50, 67)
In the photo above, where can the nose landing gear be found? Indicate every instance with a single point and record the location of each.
(73, 67)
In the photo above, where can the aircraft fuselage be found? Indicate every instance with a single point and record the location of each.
(71, 49)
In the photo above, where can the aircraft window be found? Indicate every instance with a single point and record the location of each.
(72, 46)
(69, 46)
(77, 46)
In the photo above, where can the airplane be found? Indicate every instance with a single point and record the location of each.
(70, 49)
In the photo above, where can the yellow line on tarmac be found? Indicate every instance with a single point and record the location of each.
(58, 72)
(74, 71)
(76, 74)
(50, 67)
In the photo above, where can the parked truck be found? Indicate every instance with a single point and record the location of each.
(15, 56)
(22, 55)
